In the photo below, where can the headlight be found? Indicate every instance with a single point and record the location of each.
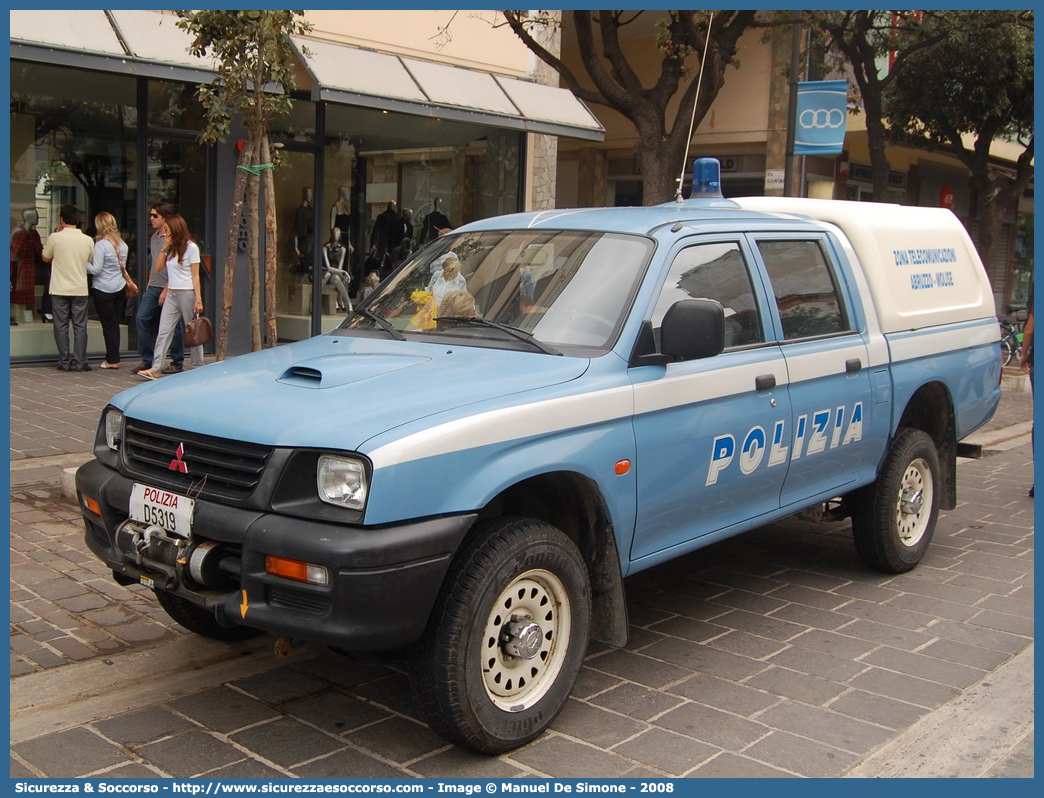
(113, 428)
(342, 481)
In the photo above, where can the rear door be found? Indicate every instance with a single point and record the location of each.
(823, 339)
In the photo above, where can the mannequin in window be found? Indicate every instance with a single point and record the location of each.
(435, 222)
(334, 254)
(407, 227)
(26, 257)
(340, 211)
(304, 232)
(387, 232)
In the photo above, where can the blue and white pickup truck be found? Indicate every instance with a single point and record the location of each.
(534, 408)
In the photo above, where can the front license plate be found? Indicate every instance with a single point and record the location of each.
(156, 507)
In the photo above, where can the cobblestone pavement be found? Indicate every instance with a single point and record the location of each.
(772, 654)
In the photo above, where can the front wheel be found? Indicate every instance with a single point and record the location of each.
(506, 639)
(894, 519)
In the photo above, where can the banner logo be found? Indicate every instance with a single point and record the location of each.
(820, 117)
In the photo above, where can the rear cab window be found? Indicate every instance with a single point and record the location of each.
(808, 297)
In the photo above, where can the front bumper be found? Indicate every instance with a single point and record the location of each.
(383, 581)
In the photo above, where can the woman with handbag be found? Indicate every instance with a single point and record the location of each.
(111, 284)
(182, 297)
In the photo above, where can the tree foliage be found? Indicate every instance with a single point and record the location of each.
(974, 86)
(254, 57)
(610, 79)
(878, 47)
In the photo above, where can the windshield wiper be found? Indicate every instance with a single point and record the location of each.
(514, 332)
(382, 322)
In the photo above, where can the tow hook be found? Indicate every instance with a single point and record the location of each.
(283, 647)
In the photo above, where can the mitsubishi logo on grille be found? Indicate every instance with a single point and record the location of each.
(177, 464)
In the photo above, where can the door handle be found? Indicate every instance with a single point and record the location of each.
(765, 382)
(853, 365)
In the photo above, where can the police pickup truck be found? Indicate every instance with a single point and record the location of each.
(534, 408)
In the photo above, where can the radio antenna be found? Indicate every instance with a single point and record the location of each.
(695, 102)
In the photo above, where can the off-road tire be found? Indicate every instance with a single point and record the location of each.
(894, 519)
(506, 638)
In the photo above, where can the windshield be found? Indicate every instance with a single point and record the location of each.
(526, 289)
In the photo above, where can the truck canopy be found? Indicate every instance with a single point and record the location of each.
(920, 263)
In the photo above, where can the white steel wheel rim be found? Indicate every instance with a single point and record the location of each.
(913, 507)
(515, 682)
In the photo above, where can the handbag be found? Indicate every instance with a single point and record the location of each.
(132, 287)
(198, 331)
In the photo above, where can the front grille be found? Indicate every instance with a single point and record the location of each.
(192, 464)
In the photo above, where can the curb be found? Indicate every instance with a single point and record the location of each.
(966, 737)
(55, 700)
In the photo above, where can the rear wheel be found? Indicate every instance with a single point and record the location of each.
(199, 620)
(895, 517)
(506, 639)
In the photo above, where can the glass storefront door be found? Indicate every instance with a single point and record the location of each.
(176, 173)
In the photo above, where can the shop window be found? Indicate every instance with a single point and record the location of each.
(73, 140)
(297, 127)
(174, 106)
(429, 169)
(1022, 266)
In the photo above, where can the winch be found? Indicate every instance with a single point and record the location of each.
(199, 563)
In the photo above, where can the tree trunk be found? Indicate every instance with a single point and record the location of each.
(877, 140)
(660, 163)
(235, 215)
(991, 219)
(255, 247)
(268, 185)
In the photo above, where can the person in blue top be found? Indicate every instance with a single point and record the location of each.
(109, 286)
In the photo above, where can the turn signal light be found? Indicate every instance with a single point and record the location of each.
(92, 505)
(296, 570)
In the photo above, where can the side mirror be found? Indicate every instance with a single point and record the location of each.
(693, 329)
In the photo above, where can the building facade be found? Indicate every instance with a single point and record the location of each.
(444, 113)
(746, 129)
(437, 114)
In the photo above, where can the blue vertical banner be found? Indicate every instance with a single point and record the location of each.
(820, 117)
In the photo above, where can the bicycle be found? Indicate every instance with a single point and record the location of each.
(1011, 335)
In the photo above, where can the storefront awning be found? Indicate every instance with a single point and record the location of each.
(140, 43)
(150, 44)
(355, 76)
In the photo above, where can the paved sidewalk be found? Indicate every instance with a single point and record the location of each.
(772, 654)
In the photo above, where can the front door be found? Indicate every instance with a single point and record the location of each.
(710, 433)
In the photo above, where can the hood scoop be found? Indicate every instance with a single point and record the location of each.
(331, 371)
(304, 376)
